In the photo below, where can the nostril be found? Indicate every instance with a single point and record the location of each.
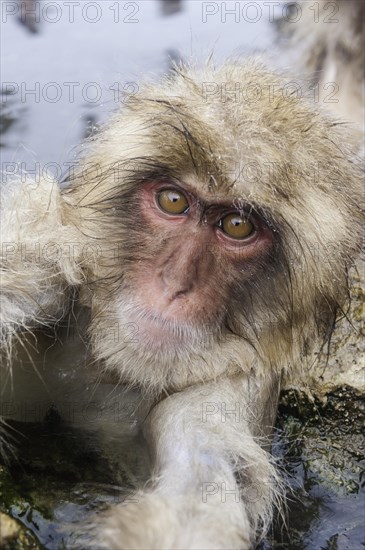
(180, 294)
(174, 288)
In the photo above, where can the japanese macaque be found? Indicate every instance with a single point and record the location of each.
(212, 222)
(327, 43)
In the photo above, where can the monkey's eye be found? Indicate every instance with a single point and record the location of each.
(236, 226)
(172, 201)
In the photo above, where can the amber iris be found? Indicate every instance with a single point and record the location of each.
(237, 226)
(172, 201)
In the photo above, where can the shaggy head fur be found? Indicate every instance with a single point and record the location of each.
(233, 132)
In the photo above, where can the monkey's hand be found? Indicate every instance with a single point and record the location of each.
(38, 263)
(213, 487)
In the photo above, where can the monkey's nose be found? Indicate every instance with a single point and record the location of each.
(181, 293)
(175, 289)
(176, 281)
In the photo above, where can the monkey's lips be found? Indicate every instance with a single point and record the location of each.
(155, 331)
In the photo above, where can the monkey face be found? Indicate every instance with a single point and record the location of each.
(197, 252)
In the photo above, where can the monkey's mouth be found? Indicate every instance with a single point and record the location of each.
(153, 331)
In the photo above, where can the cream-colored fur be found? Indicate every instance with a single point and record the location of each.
(37, 269)
(327, 45)
(208, 409)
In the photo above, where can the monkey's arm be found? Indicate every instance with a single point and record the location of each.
(39, 257)
(214, 484)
